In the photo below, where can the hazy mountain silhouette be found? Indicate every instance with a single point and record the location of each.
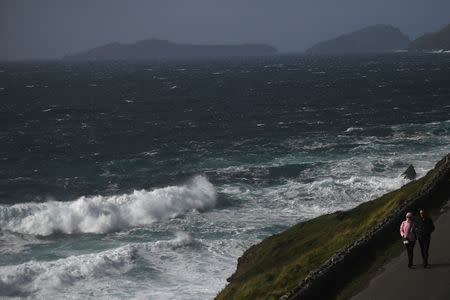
(162, 49)
(375, 38)
(433, 41)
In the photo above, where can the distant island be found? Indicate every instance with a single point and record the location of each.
(150, 49)
(436, 41)
(372, 39)
(375, 38)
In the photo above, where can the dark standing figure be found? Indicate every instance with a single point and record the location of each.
(409, 237)
(424, 228)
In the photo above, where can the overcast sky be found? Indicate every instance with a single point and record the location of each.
(37, 29)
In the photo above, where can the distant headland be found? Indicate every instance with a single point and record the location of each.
(150, 49)
(375, 38)
(436, 41)
(381, 39)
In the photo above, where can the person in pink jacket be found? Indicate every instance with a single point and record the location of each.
(409, 237)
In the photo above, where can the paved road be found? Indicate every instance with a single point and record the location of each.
(396, 281)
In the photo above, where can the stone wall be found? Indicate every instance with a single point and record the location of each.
(324, 278)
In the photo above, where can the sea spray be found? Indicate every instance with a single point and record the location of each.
(32, 276)
(102, 214)
(56, 276)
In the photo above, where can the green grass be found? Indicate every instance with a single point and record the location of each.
(280, 262)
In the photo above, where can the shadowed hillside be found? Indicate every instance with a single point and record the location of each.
(376, 38)
(433, 41)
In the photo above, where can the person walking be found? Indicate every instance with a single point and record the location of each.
(424, 228)
(407, 229)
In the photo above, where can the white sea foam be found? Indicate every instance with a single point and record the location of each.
(101, 214)
(182, 239)
(104, 274)
(34, 276)
(11, 242)
(188, 273)
(41, 278)
(337, 185)
(350, 129)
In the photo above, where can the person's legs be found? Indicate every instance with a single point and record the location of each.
(410, 249)
(423, 251)
(426, 246)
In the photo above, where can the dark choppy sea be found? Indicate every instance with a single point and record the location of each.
(149, 180)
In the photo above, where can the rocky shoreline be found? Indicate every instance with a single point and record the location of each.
(321, 279)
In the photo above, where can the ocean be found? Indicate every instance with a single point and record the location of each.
(147, 180)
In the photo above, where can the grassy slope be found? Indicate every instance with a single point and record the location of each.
(279, 263)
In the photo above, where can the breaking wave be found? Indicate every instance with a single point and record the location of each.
(101, 214)
(40, 277)
(30, 277)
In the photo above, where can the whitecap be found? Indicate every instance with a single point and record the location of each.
(182, 239)
(150, 153)
(104, 274)
(102, 214)
(34, 276)
(350, 129)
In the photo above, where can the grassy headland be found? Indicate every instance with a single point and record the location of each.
(280, 262)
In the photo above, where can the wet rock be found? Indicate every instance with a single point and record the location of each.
(410, 173)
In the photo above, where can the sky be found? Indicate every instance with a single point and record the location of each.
(47, 29)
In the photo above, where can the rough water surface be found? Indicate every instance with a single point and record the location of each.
(149, 180)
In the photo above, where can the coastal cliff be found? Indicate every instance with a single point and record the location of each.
(321, 257)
